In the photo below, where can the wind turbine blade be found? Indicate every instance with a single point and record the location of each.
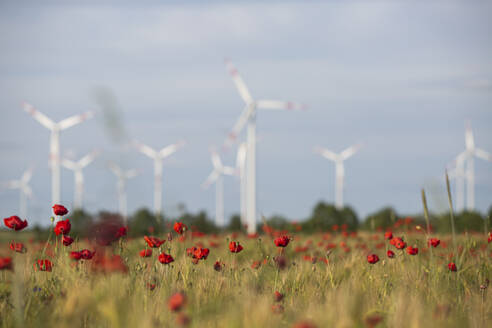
(87, 159)
(171, 149)
(326, 153)
(240, 123)
(115, 169)
(350, 151)
(74, 120)
(210, 179)
(26, 177)
(241, 156)
(238, 81)
(469, 140)
(281, 105)
(27, 191)
(144, 149)
(132, 173)
(13, 184)
(216, 160)
(38, 116)
(480, 153)
(68, 164)
(227, 170)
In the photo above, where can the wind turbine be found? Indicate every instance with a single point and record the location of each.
(249, 116)
(123, 176)
(25, 190)
(471, 151)
(158, 157)
(55, 128)
(240, 166)
(339, 168)
(457, 173)
(77, 168)
(217, 176)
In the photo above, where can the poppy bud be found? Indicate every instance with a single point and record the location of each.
(390, 253)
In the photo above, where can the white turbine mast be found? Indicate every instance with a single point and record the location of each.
(123, 176)
(240, 167)
(338, 159)
(55, 128)
(24, 189)
(249, 116)
(158, 157)
(77, 168)
(216, 176)
(471, 152)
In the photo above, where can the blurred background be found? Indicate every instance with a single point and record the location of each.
(400, 77)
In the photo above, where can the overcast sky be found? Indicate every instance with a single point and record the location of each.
(399, 76)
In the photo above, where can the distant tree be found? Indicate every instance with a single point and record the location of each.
(81, 223)
(325, 216)
(199, 222)
(469, 221)
(144, 222)
(384, 218)
(235, 223)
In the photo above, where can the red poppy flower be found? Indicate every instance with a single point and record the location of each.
(278, 296)
(388, 235)
(75, 256)
(17, 247)
(217, 266)
(176, 302)
(282, 241)
(434, 242)
(180, 227)
(304, 324)
(153, 241)
(452, 267)
(398, 242)
(235, 247)
(59, 210)
(87, 254)
(412, 250)
(373, 258)
(14, 222)
(182, 320)
(145, 253)
(43, 265)
(67, 240)
(108, 264)
(62, 227)
(201, 253)
(390, 253)
(165, 258)
(5, 263)
(150, 286)
(122, 231)
(277, 308)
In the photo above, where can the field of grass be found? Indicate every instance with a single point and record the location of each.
(325, 280)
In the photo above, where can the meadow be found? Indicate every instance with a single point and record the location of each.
(329, 279)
